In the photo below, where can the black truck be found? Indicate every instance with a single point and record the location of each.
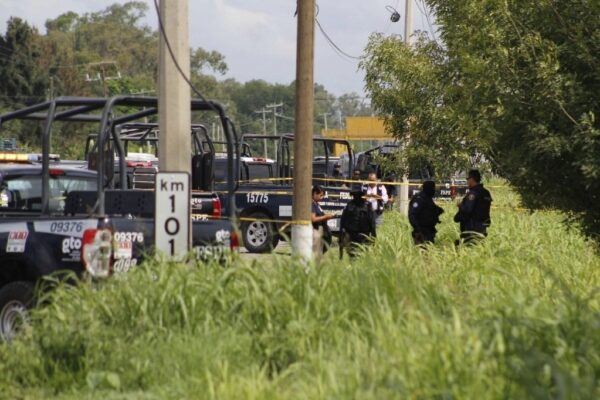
(65, 216)
(264, 195)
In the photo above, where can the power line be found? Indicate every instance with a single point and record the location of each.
(82, 64)
(174, 59)
(330, 41)
(333, 44)
(425, 11)
(20, 97)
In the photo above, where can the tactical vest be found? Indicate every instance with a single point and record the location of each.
(359, 219)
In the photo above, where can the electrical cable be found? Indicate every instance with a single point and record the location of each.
(333, 44)
(177, 66)
(21, 97)
(425, 11)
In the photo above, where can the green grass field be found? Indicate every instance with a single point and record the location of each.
(515, 317)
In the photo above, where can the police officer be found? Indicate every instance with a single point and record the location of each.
(337, 174)
(321, 232)
(357, 225)
(424, 214)
(474, 210)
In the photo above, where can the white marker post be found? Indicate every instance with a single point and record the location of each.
(172, 214)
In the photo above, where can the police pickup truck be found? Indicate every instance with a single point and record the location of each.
(264, 194)
(140, 146)
(56, 216)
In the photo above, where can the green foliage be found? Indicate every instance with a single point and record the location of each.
(514, 317)
(22, 80)
(110, 52)
(515, 80)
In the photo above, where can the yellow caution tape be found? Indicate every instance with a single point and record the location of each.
(276, 221)
(250, 219)
(352, 181)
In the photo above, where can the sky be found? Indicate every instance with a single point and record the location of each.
(258, 37)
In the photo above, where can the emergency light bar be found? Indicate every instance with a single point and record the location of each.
(25, 158)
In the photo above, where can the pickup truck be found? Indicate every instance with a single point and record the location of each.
(142, 166)
(56, 216)
(264, 195)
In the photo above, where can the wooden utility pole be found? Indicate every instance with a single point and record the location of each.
(408, 21)
(325, 119)
(302, 232)
(174, 92)
(264, 120)
(404, 200)
(274, 106)
(103, 74)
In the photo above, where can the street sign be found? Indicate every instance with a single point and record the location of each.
(172, 214)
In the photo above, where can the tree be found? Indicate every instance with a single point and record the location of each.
(22, 81)
(516, 80)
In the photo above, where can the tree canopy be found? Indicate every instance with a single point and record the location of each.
(515, 80)
(112, 52)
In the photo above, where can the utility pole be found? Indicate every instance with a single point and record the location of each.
(103, 75)
(403, 203)
(274, 107)
(302, 231)
(50, 95)
(174, 92)
(325, 119)
(264, 119)
(408, 21)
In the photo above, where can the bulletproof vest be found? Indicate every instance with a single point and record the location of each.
(482, 207)
(379, 193)
(379, 202)
(358, 218)
(428, 215)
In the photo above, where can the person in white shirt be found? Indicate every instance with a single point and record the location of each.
(376, 194)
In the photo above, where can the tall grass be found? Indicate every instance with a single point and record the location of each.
(517, 316)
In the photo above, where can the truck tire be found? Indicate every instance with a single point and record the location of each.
(16, 298)
(259, 236)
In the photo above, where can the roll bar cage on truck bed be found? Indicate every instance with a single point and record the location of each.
(142, 167)
(264, 203)
(78, 112)
(106, 228)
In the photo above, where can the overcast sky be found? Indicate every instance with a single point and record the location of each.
(258, 37)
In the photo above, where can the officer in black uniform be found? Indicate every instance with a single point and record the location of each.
(474, 210)
(319, 218)
(357, 225)
(424, 214)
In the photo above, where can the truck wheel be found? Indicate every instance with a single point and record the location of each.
(258, 235)
(15, 300)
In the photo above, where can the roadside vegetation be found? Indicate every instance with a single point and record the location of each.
(515, 317)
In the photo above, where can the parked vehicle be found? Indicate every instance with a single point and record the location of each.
(58, 217)
(264, 195)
